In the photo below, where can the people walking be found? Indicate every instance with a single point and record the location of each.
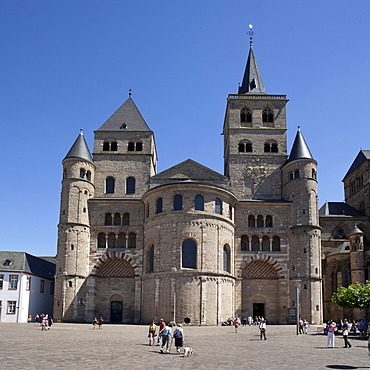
(152, 330)
(162, 325)
(236, 324)
(305, 326)
(95, 322)
(166, 338)
(178, 334)
(262, 327)
(345, 328)
(300, 325)
(100, 322)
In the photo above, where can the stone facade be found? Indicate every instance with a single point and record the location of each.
(190, 243)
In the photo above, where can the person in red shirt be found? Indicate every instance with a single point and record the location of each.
(162, 325)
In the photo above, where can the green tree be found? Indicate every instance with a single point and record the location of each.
(355, 296)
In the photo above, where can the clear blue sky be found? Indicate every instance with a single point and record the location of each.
(68, 65)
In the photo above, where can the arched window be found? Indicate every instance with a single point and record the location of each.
(241, 147)
(131, 147)
(106, 146)
(334, 284)
(189, 254)
(260, 221)
(199, 202)
(246, 116)
(159, 205)
(268, 221)
(139, 147)
(245, 146)
(113, 146)
(276, 244)
(218, 206)
(117, 219)
(296, 174)
(150, 259)
(126, 219)
(109, 185)
(130, 185)
(267, 116)
(267, 148)
(255, 243)
(270, 147)
(346, 278)
(244, 243)
(248, 147)
(274, 148)
(111, 240)
(227, 260)
(108, 219)
(88, 175)
(121, 241)
(82, 173)
(132, 240)
(101, 240)
(177, 202)
(265, 243)
(230, 212)
(251, 221)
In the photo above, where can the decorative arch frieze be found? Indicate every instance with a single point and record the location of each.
(110, 255)
(263, 257)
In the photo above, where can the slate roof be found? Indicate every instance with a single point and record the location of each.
(339, 209)
(80, 149)
(126, 118)
(21, 261)
(362, 157)
(299, 149)
(343, 248)
(252, 80)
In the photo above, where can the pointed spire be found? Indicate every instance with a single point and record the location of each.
(80, 149)
(299, 149)
(127, 117)
(252, 80)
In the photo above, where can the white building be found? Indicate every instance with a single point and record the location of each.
(26, 286)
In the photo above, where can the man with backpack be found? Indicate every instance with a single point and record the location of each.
(178, 334)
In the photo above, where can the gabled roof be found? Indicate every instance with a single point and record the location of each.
(339, 209)
(126, 118)
(252, 80)
(189, 170)
(362, 157)
(80, 149)
(299, 149)
(21, 261)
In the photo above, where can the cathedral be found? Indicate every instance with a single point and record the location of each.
(193, 245)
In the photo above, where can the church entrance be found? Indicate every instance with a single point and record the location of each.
(258, 309)
(116, 311)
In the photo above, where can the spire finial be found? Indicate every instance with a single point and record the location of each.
(81, 131)
(129, 92)
(250, 33)
(299, 128)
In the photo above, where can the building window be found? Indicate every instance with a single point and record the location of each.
(245, 116)
(105, 146)
(117, 219)
(12, 305)
(230, 212)
(109, 185)
(244, 243)
(126, 219)
(265, 243)
(108, 219)
(113, 146)
(260, 221)
(111, 240)
(276, 244)
(227, 261)
(52, 288)
(245, 146)
(296, 174)
(267, 116)
(251, 221)
(199, 202)
(70, 284)
(130, 185)
(13, 282)
(42, 286)
(189, 254)
(82, 173)
(131, 147)
(139, 147)
(121, 241)
(132, 240)
(1, 281)
(218, 206)
(101, 240)
(159, 205)
(270, 147)
(268, 221)
(255, 245)
(28, 283)
(150, 256)
(177, 202)
(88, 177)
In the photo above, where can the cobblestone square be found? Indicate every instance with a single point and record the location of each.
(72, 346)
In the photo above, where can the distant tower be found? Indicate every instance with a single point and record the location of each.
(356, 239)
(254, 137)
(73, 230)
(300, 188)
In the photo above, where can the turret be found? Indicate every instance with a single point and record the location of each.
(356, 240)
(74, 227)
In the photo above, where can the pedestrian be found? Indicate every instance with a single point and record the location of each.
(331, 330)
(250, 320)
(178, 334)
(236, 324)
(166, 338)
(95, 322)
(152, 335)
(262, 327)
(300, 325)
(162, 325)
(305, 326)
(37, 318)
(100, 322)
(361, 329)
(345, 328)
(51, 322)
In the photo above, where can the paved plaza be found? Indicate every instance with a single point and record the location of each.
(72, 346)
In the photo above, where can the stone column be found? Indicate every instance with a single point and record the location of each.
(137, 302)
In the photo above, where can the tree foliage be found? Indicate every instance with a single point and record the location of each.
(355, 296)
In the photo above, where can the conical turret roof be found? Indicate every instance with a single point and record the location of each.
(299, 149)
(80, 149)
(355, 231)
(252, 81)
(126, 118)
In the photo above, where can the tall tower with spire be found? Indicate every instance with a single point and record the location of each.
(254, 137)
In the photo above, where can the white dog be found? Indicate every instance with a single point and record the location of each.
(188, 351)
